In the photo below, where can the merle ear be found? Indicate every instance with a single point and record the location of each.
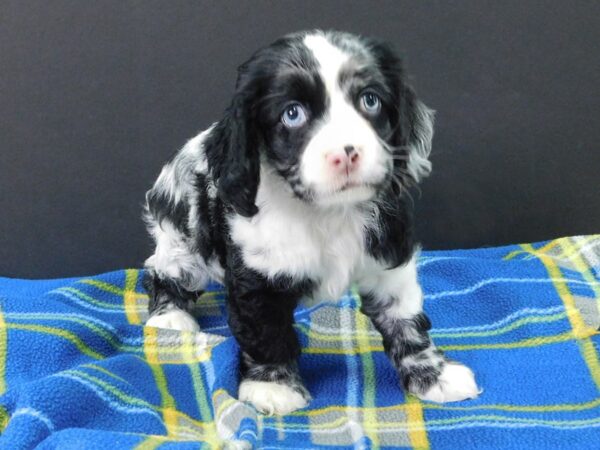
(232, 151)
(415, 132)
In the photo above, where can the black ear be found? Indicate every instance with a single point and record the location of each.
(415, 132)
(413, 120)
(232, 149)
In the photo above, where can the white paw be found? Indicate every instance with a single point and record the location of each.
(455, 383)
(269, 397)
(175, 319)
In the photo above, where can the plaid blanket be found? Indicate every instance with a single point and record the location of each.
(78, 369)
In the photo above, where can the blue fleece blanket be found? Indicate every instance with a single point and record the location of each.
(78, 369)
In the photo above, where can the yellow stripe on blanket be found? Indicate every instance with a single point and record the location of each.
(4, 418)
(168, 403)
(587, 346)
(130, 297)
(417, 432)
(580, 330)
(189, 351)
(369, 380)
(524, 343)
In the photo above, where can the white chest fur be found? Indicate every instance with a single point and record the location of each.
(289, 237)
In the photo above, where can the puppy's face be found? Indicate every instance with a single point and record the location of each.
(332, 116)
(329, 117)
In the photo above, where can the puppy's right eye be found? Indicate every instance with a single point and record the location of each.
(294, 116)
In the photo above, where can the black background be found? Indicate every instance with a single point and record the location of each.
(95, 96)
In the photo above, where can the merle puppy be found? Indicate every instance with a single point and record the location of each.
(297, 192)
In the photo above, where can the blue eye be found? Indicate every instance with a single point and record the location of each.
(370, 103)
(294, 116)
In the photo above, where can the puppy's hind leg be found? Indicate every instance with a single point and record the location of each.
(169, 304)
(175, 278)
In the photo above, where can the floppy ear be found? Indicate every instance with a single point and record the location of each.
(413, 127)
(415, 132)
(233, 156)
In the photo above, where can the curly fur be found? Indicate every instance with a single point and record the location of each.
(254, 203)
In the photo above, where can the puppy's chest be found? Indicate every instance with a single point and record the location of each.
(326, 250)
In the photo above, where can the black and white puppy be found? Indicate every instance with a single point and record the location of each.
(298, 192)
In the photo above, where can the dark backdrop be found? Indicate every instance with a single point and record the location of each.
(95, 96)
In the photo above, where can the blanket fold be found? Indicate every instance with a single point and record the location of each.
(79, 370)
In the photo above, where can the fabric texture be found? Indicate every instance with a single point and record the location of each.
(78, 370)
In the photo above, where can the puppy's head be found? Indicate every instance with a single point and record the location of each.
(328, 112)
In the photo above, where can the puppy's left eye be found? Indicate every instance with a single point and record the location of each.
(370, 103)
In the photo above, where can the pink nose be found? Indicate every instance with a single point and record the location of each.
(344, 162)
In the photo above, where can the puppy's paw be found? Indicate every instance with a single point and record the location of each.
(455, 383)
(175, 319)
(270, 397)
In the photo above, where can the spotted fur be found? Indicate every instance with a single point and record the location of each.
(259, 205)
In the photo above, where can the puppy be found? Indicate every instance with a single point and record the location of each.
(297, 192)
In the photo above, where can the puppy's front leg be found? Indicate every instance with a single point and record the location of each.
(393, 301)
(261, 319)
